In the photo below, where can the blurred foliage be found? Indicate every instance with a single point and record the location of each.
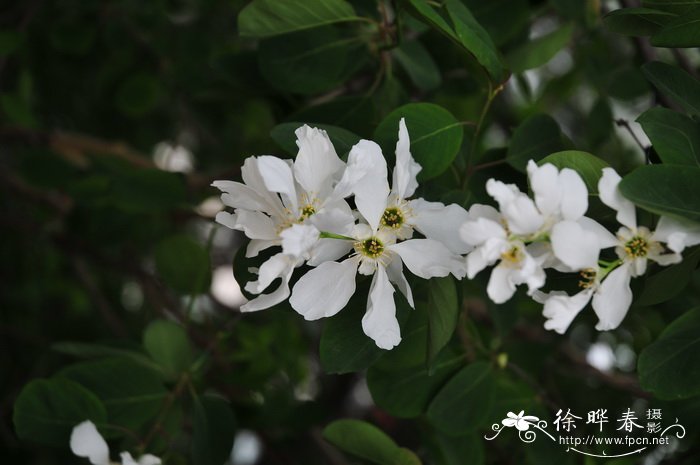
(116, 116)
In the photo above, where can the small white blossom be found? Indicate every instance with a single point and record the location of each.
(326, 289)
(276, 194)
(86, 441)
(578, 245)
(515, 237)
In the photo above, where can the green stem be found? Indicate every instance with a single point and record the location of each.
(606, 267)
(330, 235)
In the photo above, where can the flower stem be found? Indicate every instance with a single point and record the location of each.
(330, 235)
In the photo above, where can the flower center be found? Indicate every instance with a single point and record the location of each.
(637, 247)
(372, 247)
(306, 211)
(587, 278)
(512, 255)
(392, 218)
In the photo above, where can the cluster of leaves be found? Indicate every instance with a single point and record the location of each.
(107, 250)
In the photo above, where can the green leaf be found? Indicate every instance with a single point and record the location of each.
(342, 139)
(367, 442)
(665, 190)
(683, 31)
(636, 21)
(131, 393)
(683, 88)
(267, 18)
(139, 94)
(588, 166)
(536, 52)
(670, 367)
(167, 343)
(90, 351)
(47, 410)
(675, 137)
(405, 393)
(460, 450)
(467, 33)
(309, 62)
(678, 7)
(213, 429)
(535, 138)
(436, 136)
(344, 348)
(183, 264)
(443, 311)
(418, 64)
(670, 281)
(464, 403)
(476, 40)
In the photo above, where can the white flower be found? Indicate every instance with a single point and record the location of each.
(326, 289)
(399, 215)
(578, 244)
(86, 441)
(520, 421)
(276, 194)
(516, 236)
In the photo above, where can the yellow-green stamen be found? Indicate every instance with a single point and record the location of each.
(637, 247)
(372, 247)
(392, 218)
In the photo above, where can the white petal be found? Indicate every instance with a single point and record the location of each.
(436, 221)
(226, 219)
(277, 176)
(485, 255)
(317, 164)
(278, 266)
(239, 195)
(372, 190)
(252, 178)
(665, 259)
(127, 459)
(613, 298)
(606, 239)
(478, 231)
(86, 441)
(544, 182)
(324, 290)
(575, 246)
(255, 225)
(149, 459)
(500, 287)
(574, 194)
(255, 246)
(517, 208)
(484, 211)
(610, 195)
(265, 301)
(395, 273)
(404, 178)
(275, 267)
(299, 239)
(677, 234)
(560, 310)
(427, 258)
(379, 321)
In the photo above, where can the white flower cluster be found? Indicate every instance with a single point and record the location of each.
(303, 207)
(526, 236)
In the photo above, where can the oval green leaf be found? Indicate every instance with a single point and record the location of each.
(665, 190)
(267, 18)
(436, 136)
